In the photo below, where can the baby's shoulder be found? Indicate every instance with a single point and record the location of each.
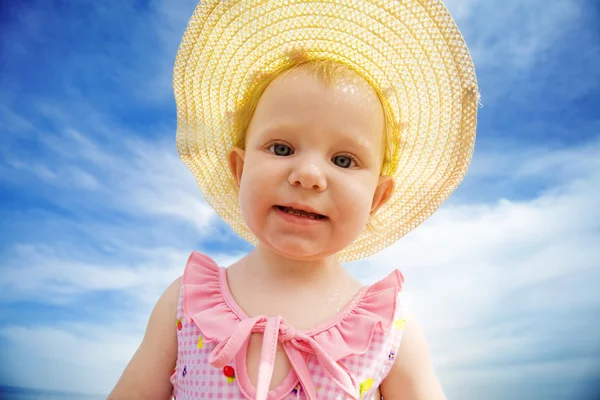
(147, 373)
(170, 297)
(165, 310)
(412, 374)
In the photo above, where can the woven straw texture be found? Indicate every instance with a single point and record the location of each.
(409, 49)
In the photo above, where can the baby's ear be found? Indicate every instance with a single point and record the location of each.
(236, 164)
(383, 192)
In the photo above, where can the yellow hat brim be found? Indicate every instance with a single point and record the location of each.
(412, 50)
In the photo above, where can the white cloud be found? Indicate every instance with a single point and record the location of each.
(513, 162)
(87, 356)
(129, 175)
(523, 48)
(80, 358)
(156, 181)
(54, 276)
(503, 382)
(480, 276)
(512, 34)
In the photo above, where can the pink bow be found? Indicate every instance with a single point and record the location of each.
(297, 345)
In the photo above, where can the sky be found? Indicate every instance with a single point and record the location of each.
(98, 214)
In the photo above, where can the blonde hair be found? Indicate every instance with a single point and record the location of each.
(328, 72)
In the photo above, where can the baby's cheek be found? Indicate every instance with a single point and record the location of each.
(360, 192)
(256, 190)
(356, 202)
(254, 176)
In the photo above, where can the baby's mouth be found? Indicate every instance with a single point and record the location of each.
(300, 213)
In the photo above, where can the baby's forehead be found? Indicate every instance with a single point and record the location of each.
(328, 89)
(341, 106)
(332, 76)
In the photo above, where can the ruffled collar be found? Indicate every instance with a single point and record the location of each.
(208, 302)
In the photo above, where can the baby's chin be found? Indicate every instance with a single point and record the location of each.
(302, 245)
(298, 251)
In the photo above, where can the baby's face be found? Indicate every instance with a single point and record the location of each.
(310, 174)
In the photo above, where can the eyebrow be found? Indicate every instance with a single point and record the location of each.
(357, 140)
(278, 127)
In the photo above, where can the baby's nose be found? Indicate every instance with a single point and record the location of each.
(308, 174)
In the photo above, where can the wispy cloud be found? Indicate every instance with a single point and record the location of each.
(82, 357)
(502, 288)
(149, 177)
(513, 34)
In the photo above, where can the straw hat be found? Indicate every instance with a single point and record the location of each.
(409, 50)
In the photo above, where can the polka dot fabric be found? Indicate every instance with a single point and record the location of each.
(195, 378)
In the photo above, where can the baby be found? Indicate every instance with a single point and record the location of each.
(303, 165)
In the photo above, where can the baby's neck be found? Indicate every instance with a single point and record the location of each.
(304, 293)
(269, 266)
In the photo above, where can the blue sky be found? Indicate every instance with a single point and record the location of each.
(99, 215)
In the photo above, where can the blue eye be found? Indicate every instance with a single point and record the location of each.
(281, 150)
(343, 161)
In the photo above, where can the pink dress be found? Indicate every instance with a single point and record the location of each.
(346, 357)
